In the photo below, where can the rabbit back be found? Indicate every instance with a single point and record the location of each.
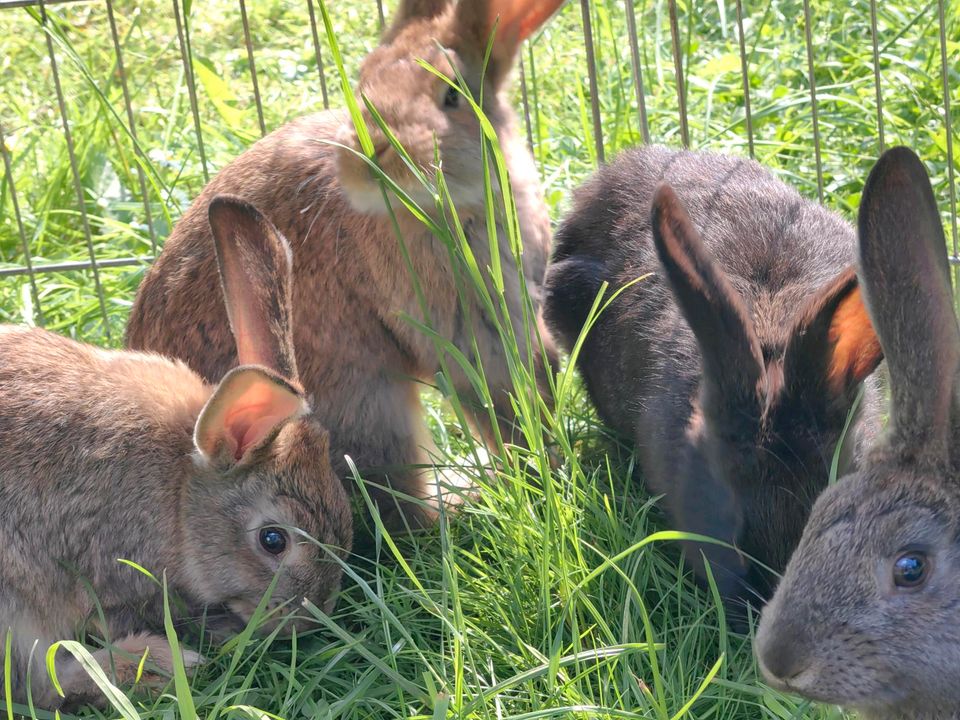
(775, 247)
(90, 434)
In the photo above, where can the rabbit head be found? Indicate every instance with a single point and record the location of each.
(432, 119)
(263, 480)
(770, 408)
(868, 612)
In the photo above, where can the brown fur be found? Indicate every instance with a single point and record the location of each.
(840, 629)
(100, 464)
(358, 357)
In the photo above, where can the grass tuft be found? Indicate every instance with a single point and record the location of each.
(556, 592)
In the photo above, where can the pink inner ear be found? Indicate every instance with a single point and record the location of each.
(255, 415)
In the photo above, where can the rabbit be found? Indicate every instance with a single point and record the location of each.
(733, 362)
(114, 454)
(359, 355)
(867, 614)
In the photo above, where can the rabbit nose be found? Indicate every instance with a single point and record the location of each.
(784, 661)
(782, 655)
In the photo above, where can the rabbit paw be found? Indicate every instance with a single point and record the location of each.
(80, 689)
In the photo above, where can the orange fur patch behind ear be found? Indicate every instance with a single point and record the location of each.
(856, 347)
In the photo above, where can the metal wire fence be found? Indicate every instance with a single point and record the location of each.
(633, 83)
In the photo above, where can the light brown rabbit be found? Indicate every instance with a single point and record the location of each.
(114, 455)
(363, 360)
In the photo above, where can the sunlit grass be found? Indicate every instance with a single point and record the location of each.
(540, 598)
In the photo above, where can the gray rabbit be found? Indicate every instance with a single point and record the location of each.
(868, 612)
(114, 455)
(734, 364)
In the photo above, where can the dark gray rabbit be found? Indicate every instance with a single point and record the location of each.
(868, 612)
(111, 455)
(734, 365)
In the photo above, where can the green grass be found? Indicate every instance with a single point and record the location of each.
(549, 596)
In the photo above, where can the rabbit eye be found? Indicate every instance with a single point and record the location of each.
(451, 98)
(910, 569)
(273, 540)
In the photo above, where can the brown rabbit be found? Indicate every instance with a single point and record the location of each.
(358, 355)
(121, 455)
(868, 612)
(734, 365)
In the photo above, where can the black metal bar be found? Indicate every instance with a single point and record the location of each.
(745, 72)
(876, 72)
(185, 56)
(316, 50)
(813, 96)
(592, 76)
(526, 103)
(678, 73)
(637, 71)
(75, 172)
(133, 126)
(28, 259)
(948, 122)
(253, 66)
(73, 266)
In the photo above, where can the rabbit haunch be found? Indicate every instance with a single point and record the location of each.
(359, 356)
(868, 612)
(118, 455)
(734, 362)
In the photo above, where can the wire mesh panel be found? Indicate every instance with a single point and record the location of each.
(113, 115)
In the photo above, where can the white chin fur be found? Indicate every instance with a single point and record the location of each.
(368, 198)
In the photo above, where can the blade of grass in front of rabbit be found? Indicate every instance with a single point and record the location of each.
(439, 230)
(7, 672)
(181, 686)
(382, 530)
(512, 217)
(700, 690)
(357, 644)
(718, 604)
(367, 146)
(442, 231)
(238, 644)
(90, 666)
(424, 598)
(838, 450)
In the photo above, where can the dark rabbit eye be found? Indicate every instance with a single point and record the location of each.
(910, 569)
(273, 540)
(451, 99)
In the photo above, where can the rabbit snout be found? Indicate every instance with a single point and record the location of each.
(783, 658)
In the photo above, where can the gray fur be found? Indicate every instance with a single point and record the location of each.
(735, 423)
(839, 629)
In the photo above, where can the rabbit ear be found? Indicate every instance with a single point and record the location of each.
(409, 10)
(255, 269)
(906, 279)
(245, 412)
(832, 347)
(514, 20)
(732, 358)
